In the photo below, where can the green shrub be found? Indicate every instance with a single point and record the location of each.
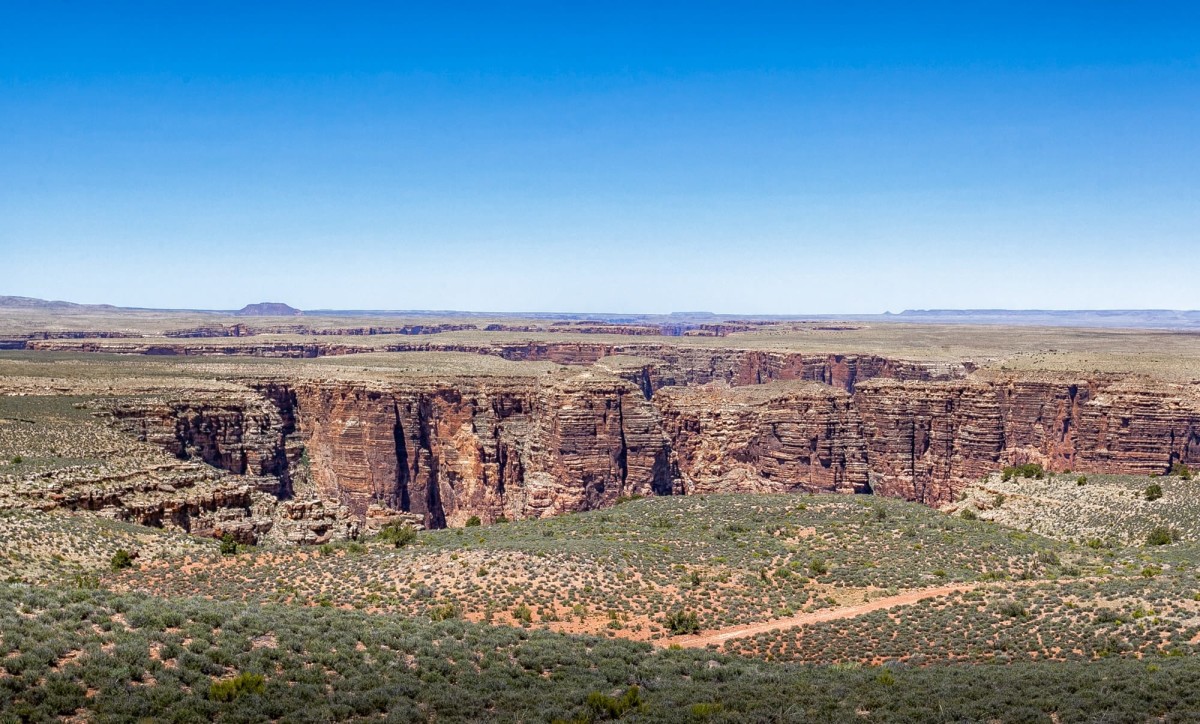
(1161, 536)
(968, 514)
(682, 622)
(602, 706)
(523, 613)
(705, 710)
(121, 559)
(17, 460)
(237, 687)
(1181, 470)
(444, 612)
(397, 534)
(1153, 492)
(1081, 480)
(1013, 609)
(818, 567)
(229, 546)
(1028, 470)
(86, 581)
(474, 522)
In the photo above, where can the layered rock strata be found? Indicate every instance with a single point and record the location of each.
(516, 448)
(779, 438)
(445, 449)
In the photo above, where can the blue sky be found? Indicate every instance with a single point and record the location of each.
(734, 157)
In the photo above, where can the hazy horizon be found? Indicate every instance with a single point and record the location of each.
(768, 159)
(10, 301)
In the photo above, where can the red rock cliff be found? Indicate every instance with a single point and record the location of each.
(784, 437)
(518, 448)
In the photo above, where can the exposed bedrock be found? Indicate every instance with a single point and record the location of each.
(520, 446)
(660, 365)
(784, 437)
(243, 433)
(926, 440)
(511, 448)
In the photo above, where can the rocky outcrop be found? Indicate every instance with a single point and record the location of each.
(186, 496)
(927, 440)
(779, 438)
(243, 433)
(543, 441)
(669, 363)
(514, 448)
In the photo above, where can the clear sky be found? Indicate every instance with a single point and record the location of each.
(735, 157)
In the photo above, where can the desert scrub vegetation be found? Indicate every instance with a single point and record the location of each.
(1114, 509)
(1001, 623)
(729, 560)
(57, 547)
(98, 656)
(398, 534)
(1028, 470)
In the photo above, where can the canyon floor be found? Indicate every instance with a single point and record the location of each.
(441, 518)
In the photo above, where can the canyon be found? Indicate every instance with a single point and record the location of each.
(303, 429)
(447, 448)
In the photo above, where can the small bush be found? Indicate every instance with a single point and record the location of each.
(1181, 470)
(602, 706)
(17, 460)
(1153, 492)
(238, 686)
(703, 711)
(444, 612)
(1081, 480)
(681, 622)
(474, 522)
(229, 546)
(121, 559)
(968, 514)
(398, 535)
(1013, 609)
(1028, 470)
(1161, 536)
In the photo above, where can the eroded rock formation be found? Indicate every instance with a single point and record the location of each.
(514, 448)
(444, 449)
(783, 437)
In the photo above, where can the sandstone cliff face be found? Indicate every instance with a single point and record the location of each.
(926, 440)
(533, 445)
(240, 433)
(514, 448)
(775, 438)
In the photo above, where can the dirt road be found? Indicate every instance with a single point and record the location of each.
(832, 614)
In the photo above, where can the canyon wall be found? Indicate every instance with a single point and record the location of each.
(778, 438)
(446, 449)
(513, 448)
(926, 440)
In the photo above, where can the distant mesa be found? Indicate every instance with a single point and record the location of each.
(33, 303)
(268, 309)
